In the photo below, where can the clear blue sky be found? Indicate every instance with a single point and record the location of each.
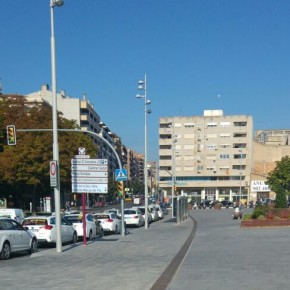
(191, 50)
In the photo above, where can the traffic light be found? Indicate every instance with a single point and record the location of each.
(120, 188)
(11, 135)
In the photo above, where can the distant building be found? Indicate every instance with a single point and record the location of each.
(206, 156)
(269, 146)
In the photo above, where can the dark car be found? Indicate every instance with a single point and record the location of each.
(227, 203)
(205, 203)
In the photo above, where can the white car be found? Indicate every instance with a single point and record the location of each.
(14, 238)
(159, 211)
(77, 222)
(154, 213)
(142, 210)
(114, 210)
(44, 227)
(134, 217)
(110, 222)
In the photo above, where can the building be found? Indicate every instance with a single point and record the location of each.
(208, 157)
(269, 146)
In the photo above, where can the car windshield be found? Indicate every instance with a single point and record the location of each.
(34, 222)
(142, 210)
(74, 219)
(129, 211)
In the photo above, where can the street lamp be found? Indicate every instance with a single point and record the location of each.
(54, 3)
(142, 85)
(240, 197)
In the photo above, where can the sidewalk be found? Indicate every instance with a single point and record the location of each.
(135, 261)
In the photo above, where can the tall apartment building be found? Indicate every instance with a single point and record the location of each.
(206, 156)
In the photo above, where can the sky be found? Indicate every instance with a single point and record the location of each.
(231, 55)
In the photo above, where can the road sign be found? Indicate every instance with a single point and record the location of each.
(76, 179)
(53, 173)
(121, 174)
(89, 188)
(89, 173)
(89, 161)
(82, 156)
(89, 167)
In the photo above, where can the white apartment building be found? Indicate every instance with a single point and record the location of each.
(208, 157)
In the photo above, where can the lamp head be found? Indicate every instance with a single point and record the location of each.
(57, 3)
(148, 102)
(141, 82)
(149, 111)
(139, 96)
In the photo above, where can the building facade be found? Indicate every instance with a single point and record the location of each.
(208, 157)
(269, 146)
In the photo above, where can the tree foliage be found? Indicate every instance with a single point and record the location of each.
(279, 181)
(24, 168)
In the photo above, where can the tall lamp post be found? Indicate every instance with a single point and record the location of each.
(142, 85)
(55, 3)
(240, 197)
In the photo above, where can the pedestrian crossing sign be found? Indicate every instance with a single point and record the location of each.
(121, 174)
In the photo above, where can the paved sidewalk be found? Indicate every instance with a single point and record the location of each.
(135, 261)
(225, 257)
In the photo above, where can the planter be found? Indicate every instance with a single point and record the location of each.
(254, 223)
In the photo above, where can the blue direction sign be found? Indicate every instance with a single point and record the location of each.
(121, 174)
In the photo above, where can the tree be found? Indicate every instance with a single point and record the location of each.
(24, 168)
(279, 181)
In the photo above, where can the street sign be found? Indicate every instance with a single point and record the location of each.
(89, 161)
(82, 156)
(89, 173)
(53, 173)
(89, 167)
(82, 179)
(89, 188)
(121, 174)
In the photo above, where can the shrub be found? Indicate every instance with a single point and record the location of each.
(261, 210)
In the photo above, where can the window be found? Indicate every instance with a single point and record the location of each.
(211, 146)
(211, 124)
(225, 135)
(240, 124)
(225, 124)
(224, 156)
(224, 145)
(189, 125)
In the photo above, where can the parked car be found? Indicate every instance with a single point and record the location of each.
(159, 210)
(142, 210)
(44, 227)
(13, 213)
(93, 228)
(154, 213)
(113, 210)
(14, 238)
(133, 216)
(110, 222)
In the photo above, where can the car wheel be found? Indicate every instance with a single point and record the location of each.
(33, 248)
(74, 238)
(90, 235)
(6, 251)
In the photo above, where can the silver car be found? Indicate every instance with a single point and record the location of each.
(14, 238)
